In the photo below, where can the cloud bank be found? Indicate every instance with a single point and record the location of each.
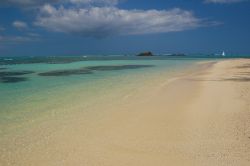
(106, 21)
(102, 18)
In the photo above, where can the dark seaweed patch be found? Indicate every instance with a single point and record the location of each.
(12, 76)
(14, 73)
(66, 72)
(89, 70)
(12, 79)
(117, 67)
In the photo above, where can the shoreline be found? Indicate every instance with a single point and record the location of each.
(199, 118)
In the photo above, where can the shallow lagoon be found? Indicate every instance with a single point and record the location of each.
(31, 91)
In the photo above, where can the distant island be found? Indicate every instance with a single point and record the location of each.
(147, 53)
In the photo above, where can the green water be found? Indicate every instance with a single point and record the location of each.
(41, 97)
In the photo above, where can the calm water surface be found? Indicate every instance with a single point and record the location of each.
(36, 88)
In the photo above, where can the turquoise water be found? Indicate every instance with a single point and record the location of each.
(36, 96)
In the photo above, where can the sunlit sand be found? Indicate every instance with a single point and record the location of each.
(199, 117)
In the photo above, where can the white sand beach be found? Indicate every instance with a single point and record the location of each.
(199, 118)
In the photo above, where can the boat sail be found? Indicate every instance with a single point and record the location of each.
(223, 53)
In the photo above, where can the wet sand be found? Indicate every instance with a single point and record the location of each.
(199, 118)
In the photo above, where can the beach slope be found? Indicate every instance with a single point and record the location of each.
(200, 117)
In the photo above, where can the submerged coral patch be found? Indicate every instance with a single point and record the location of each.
(12, 79)
(14, 73)
(66, 72)
(13, 76)
(89, 70)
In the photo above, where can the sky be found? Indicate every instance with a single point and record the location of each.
(118, 27)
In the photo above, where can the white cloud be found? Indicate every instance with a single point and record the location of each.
(105, 21)
(20, 25)
(101, 18)
(223, 1)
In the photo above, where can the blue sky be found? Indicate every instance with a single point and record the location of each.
(80, 27)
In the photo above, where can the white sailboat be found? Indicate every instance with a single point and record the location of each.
(223, 53)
